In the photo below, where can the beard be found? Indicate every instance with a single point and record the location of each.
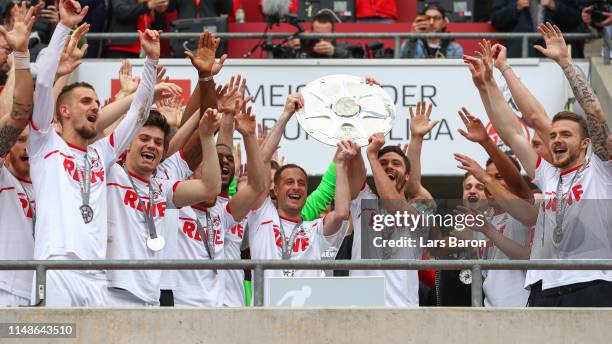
(86, 133)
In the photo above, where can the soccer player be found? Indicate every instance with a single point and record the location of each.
(16, 194)
(138, 203)
(574, 220)
(69, 172)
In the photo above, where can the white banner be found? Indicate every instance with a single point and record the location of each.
(447, 84)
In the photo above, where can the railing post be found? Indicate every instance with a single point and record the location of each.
(258, 277)
(398, 46)
(476, 286)
(525, 47)
(41, 285)
(607, 46)
(269, 41)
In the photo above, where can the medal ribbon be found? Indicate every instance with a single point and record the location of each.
(85, 185)
(207, 235)
(561, 202)
(147, 214)
(287, 244)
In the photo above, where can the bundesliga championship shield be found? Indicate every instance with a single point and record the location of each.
(343, 107)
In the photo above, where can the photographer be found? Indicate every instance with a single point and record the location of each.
(598, 14)
(432, 19)
(324, 47)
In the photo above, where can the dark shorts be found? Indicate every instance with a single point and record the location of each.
(596, 293)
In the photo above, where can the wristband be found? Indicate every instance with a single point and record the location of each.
(206, 78)
(504, 70)
(21, 60)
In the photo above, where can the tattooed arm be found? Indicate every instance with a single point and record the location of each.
(595, 117)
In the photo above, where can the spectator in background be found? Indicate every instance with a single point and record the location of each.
(603, 20)
(4, 63)
(376, 11)
(433, 19)
(324, 47)
(527, 15)
(46, 19)
(132, 15)
(97, 17)
(201, 8)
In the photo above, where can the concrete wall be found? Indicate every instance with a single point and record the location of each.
(424, 325)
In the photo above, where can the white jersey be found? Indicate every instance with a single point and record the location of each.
(401, 286)
(173, 167)
(55, 166)
(265, 238)
(234, 279)
(201, 287)
(128, 231)
(17, 231)
(504, 288)
(587, 223)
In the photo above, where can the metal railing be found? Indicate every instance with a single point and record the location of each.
(258, 267)
(396, 36)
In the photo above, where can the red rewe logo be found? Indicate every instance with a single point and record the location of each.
(575, 195)
(97, 175)
(237, 230)
(131, 200)
(301, 241)
(26, 205)
(190, 229)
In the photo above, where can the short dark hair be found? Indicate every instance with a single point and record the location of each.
(157, 120)
(397, 150)
(65, 93)
(324, 18)
(514, 161)
(277, 174)
(434, 6)
(274, 165)
(574, 117)
(226, 146)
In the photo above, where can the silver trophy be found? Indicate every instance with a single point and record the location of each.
(343, 107)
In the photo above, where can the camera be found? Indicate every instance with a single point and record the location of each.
(599, 7)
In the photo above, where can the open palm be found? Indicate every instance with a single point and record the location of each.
(18, 38)
(476, 131)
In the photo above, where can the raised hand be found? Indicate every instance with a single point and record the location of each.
(149, 41)
(71, 13)
(500, 56)
(476, 131)
(127, 82)
(347, 150)
(72, 56)
(209, 123)
(18, 38)
(161, 73)
(245, 122)
(294, 102)
(419, 122)
(556, 48)
(477, 70)
(204, 58)
(471, 166)
(369, 80)
(166, 90)
(375, 143)
(229, 94)
(486, 55)
(262, 134)
(170, 107)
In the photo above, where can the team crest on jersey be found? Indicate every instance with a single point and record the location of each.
(190, 229)
(302, 239)
(97, 168)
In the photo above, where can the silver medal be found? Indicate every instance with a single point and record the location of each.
(465, 276)
(156, 244)
(87, 213)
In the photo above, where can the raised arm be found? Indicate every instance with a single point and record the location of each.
(519, 208)
(419, 127)
(342, 200)
(392, 199)
(527, 103)
(595, 117)
(6, 96)
(183, 134)
(195, 191)
(294, 102)
(257, 181)
(501, 115)
(476, 132)
(229, 100)
(42, 114)
(11, 126)
(141, 105)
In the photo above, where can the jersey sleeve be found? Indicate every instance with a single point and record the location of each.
(174, 167)
(256, 216)
(138, 113)
(167, 188)
(227, 220)
(543, 172)
(44, 101)
(365, 193)
(322, 196)
(604, 171)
